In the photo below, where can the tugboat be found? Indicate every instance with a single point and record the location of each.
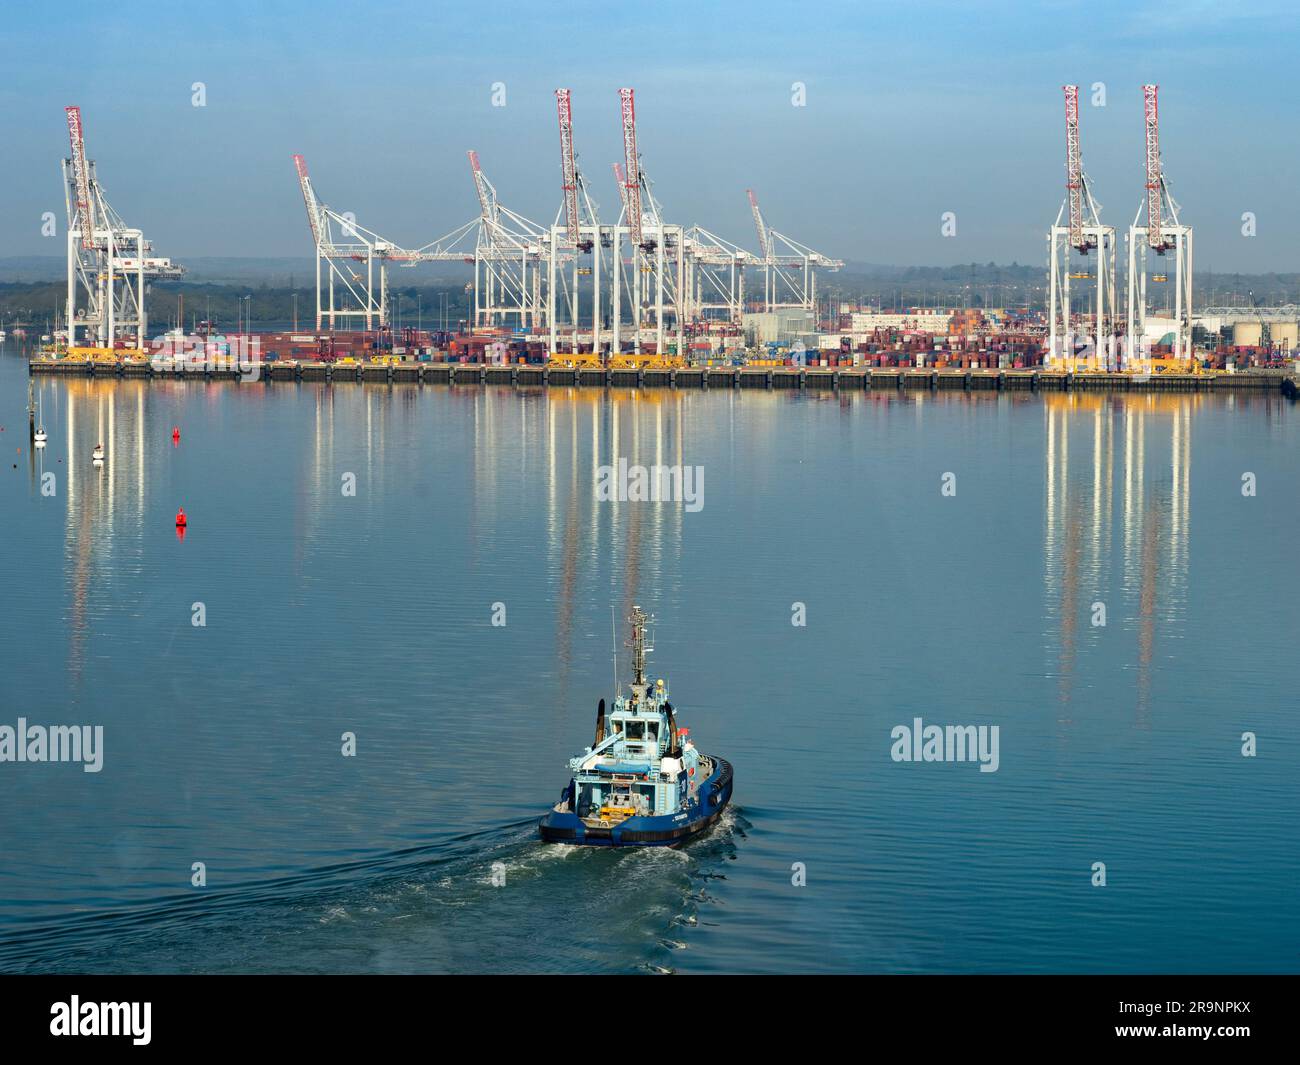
(641, 783)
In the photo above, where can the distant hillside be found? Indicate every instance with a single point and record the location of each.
(287, 270)
(413, 304)
(33, 285)
(994, 285)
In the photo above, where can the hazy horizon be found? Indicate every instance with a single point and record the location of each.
(897, 127)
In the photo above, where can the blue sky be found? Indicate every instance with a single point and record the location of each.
(912, 110)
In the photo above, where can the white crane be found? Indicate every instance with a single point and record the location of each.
(576, 234)
(1083, 232)
(507, 258)
(1158, 236)
(655, 272)
(341, 242)
(109, 262)
(789, 267)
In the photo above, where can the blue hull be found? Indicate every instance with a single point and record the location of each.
(664, 830)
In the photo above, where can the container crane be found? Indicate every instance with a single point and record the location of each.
(1084, 233)
(577, 233)
(507, 258)
(657, 266)
(1159, 237)
(109, 263)
(789, 267)
(340, 241)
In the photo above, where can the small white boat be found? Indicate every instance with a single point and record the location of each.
(97, 456)
(39, 436)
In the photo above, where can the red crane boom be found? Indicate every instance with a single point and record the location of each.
(308, 198)
(1074, 168)
(81, 177)
(485, 205)
(631, 165)
(568, 167)
(1155, 180)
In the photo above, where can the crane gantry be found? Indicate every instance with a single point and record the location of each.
(569, 244)
(643, 300)
(109, 262)
(341, 241)
(337, 250)
(1085, 234)
(507, 258)
(655, 271)
(1158, 237)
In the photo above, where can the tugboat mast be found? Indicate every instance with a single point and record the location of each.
(639, 620)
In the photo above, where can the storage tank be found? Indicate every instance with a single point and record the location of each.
(1286, 335)
(1247, 334)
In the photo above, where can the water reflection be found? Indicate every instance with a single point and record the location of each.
(80, 414)
(1116, 489)
(1082, 434)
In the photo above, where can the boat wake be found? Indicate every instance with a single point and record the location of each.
(533, 907)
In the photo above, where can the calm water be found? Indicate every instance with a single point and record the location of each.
(325, 614)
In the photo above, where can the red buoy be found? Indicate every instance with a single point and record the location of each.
(176, 434)
(180, 519)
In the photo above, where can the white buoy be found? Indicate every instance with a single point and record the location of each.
(97, 456)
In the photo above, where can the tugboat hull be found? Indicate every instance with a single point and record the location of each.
(666, 830)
